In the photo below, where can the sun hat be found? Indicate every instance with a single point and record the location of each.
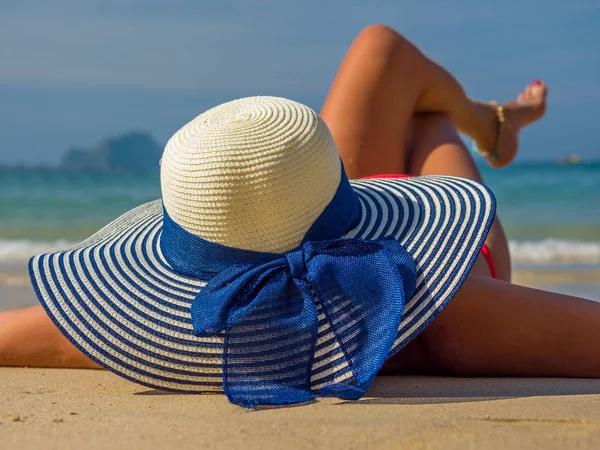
(264, 272)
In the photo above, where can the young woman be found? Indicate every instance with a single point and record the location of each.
(391, 110)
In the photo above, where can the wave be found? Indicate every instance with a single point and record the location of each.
(543, 251)
(555, 251)
(23, 249)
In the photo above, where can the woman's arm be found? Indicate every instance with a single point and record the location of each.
(29, 338)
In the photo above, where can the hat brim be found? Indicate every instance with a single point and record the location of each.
(117, 300)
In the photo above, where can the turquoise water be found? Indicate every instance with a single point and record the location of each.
(551, 212)
(38, 205)
(548, 200)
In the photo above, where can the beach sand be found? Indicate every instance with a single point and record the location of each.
(80, 409)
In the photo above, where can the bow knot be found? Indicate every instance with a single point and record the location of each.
(295, 260)
(270, 314)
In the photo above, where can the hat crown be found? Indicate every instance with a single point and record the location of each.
(253, 174)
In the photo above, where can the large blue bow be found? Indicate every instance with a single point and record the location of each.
(270, 315)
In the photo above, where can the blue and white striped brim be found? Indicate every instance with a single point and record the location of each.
(118, 300)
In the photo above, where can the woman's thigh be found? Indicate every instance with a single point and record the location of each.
(370, 106)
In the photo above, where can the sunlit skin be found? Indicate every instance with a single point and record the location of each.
(393, 110)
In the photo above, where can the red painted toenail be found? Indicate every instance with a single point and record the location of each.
(536, 83)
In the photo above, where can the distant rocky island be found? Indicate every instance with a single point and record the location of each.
(132, 152)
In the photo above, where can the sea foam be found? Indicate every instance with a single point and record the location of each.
(555, 251)
(543, 251)
(23, 249)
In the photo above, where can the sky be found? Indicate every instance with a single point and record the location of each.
(73, 72)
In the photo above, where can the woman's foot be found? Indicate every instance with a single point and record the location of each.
(528, 108)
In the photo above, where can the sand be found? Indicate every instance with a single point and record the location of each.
(80, 409)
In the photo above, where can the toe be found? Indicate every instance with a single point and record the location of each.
(538, 89)
(534, 93)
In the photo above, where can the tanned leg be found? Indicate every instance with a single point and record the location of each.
(384, 80)
(494, 328)
(382, 83)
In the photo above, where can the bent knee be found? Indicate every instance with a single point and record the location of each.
(378, 32)
(379, 38)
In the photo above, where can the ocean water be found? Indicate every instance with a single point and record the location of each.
(551, 212)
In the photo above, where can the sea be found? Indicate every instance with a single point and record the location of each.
(551, 214)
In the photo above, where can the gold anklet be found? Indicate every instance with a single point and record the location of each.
(493, 152)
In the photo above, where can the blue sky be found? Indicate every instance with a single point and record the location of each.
(75, 71)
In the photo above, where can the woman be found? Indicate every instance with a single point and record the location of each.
(392, 110)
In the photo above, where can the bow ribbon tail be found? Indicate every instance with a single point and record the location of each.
(270, 326)
(362, 287)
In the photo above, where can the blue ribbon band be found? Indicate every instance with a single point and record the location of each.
(197, 257)
(266, 304)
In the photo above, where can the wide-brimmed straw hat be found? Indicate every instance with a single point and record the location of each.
(263, 271)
